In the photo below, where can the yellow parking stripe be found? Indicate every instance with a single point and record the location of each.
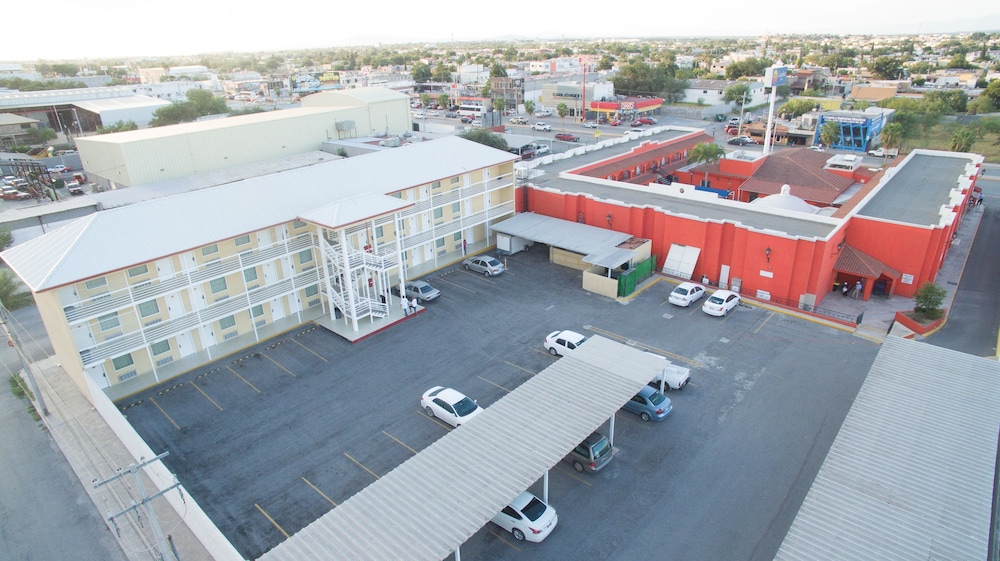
(494, 384)
(268, 516)
(503, 538)
(219, 407)
(310, 350)
(362, 466)
(244, 379)
(321, 493)
(278, 365)
(521, 368)
(400, 442)
(763, 323)
(176, 426)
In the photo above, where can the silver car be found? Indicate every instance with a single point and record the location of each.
(484, 264)
(420, 290)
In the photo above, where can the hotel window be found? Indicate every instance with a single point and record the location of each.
(243, 240)
(456, 208)
(298, 224)
(436, 185)
(456, 179)
(257, 310)
(96, 283)
(458, 236)
(227, 322)
(147, 309)
(312, 290)
(438, 213)
(210, 249)
(138, 270)
(305, 256)
(379, 232)
(218, 285)
(159, 348)
(250, 275)
(108, 321)
(123, 361)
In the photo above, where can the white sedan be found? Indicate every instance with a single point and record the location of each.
(59, 168)
(558, 343)
(686, 293)
(527, 518)
(720, 302)
(451, 406)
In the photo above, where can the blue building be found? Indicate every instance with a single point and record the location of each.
(859, 130)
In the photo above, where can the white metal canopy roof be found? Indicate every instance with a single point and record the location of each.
(597, 245)
(911, 472)
(428, 506)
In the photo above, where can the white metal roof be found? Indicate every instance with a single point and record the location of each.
(355, 209)
(122, 237)
(432, 503)
(911, 472)
(130, 102)
(597, 245)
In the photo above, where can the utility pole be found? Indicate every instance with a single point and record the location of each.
(14, 342)
(167, 551)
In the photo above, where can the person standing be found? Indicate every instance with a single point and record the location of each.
(413, 305)
(857, 289)
(405, 304)
(845, 287)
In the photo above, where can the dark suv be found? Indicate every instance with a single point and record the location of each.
(592, 454)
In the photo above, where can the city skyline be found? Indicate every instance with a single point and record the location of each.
(114, 29)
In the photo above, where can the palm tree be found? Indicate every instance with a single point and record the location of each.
(892, 137)
(562, 110)
(706, 152)
(12, 295)
(962, 139)
(529, 107)
(829, 134)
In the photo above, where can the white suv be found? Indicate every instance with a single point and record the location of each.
(540, 126)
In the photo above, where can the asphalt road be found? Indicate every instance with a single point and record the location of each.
(974, 318)
(270, 440)
(45, 513)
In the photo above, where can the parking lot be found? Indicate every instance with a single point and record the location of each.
(270, 439)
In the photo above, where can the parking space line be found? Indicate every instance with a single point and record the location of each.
(494, 384)
(521, 368)
(763, 323)
(435, 420)
(625, 340)
(480, 276)
(400, 442)
(574, 476)
(503, 538)
(245, 381)
(153, 401)
(278, 365)
(362, 466)
(635, 421)
(321, 493)
(219, 407)
(456, 285)
(271, 520)
(310, 350)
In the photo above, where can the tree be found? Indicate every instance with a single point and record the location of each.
(562, 110)
(962, 139)
(500, 104)
(119, 127)
(673, 89)
(892, 135)
(992, 92)
(829, 134)
(707, 153)
(12, 293)
(206, 103)
(487, 137)
(737, 93)
(927, 300)
(529, 107)
(443, 100)
(6, 238)
(442, 73)
(421, 72)
(796, 107)
(886, 68)
(41, 136)
(498, 71)
(425, 99)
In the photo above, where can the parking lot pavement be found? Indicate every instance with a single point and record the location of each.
(272, 438)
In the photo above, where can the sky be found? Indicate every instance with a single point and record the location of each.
(98, 29)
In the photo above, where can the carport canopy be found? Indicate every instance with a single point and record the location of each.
(428, 506)
(598, 246)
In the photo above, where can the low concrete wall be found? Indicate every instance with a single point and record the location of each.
(567, 259)
(595, 280)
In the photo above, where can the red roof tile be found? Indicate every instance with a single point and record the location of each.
(802, 170)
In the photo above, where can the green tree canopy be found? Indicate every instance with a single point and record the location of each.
(12, 292)
(529, 107)
(887, 68)
(487, 137)
(442, 73)
(796, 107)
(498, 71)
(749, 67)
(707, 153)
(829, 134)
(737, 93)
(421, 72)
(962, 139)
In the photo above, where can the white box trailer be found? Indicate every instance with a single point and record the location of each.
(507, 244)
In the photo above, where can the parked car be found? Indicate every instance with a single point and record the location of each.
(59, 168)
(543, 113)
(817, 149)
(592, 454)
(12, 194)
(883, 152)
(467, 120)
(451, 406)
(420, 290)
(720, 303)
(589, 125)
(433, 113)
(527, 518)
(741, 140)
(671, 376)
(686, 294)
(637, 131)
(732, 129)
(541, 126)
(9, 179)
(451, 115)
(419, 115)
(615, 122)
(637, 123)
(567, 137)
(734, 121)
(518, 121)
(558, 343)
(484, 264)
(649, 404)
(542, 149)
(644, 121)
(75, 187)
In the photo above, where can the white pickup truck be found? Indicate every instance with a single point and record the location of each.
(672, 376)
(881, 152)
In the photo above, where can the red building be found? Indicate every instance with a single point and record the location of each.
(838, 221)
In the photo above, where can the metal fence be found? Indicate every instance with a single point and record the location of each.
(640, 272)
(855, 319)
